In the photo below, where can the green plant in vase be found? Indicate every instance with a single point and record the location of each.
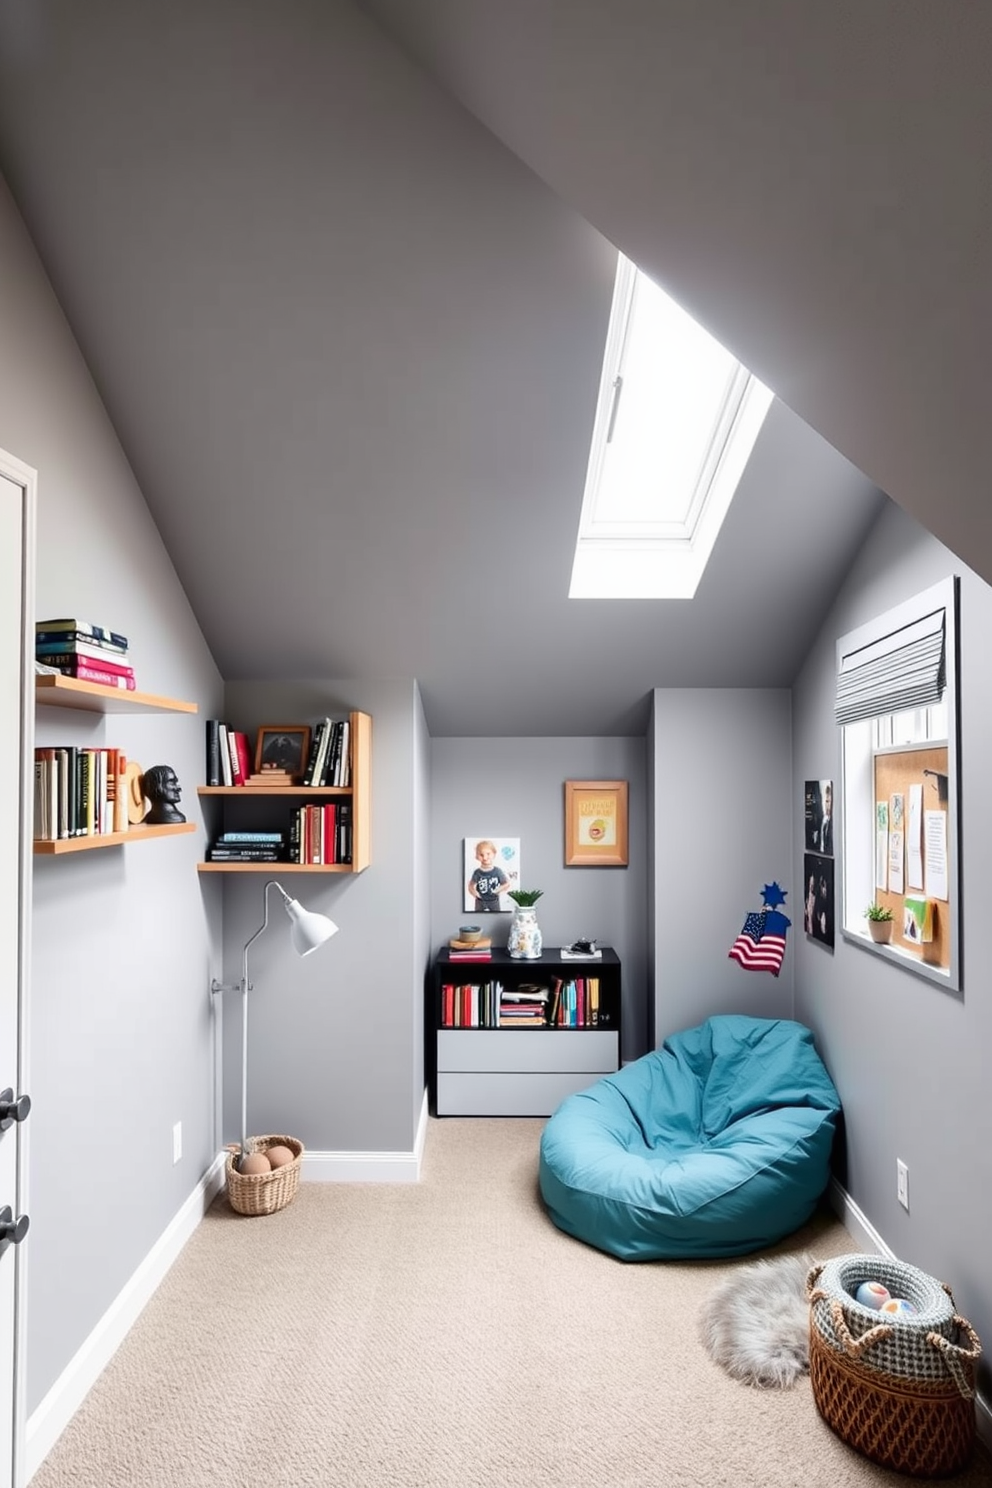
(879, 918)
(526, 941)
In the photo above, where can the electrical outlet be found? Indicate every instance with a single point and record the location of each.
(177, 1141)
(902, 1183)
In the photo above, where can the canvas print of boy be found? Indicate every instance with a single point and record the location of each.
(492, 868)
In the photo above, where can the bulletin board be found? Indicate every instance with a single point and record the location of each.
(894, 774)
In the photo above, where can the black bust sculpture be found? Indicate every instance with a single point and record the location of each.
(161, 786)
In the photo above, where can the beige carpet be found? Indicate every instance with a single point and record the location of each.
(440, 1335)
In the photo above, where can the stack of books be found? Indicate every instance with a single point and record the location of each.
(88, 652)
(248, 847)
(523, 1009)
(329, 761)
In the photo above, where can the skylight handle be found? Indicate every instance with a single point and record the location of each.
(617, 390)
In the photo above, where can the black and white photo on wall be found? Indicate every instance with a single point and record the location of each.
(490, 869)
(818, 902)
(818, 811)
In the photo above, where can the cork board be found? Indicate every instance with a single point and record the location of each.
(894, 774)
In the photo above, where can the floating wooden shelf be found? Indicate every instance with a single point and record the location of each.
(276, 870)
(70, 692)
(109, 839)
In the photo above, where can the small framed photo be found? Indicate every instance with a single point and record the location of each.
(596, 824)
(283, 747)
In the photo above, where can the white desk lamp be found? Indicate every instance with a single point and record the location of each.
(309, 931)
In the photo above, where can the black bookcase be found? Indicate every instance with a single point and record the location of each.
(499, 1071)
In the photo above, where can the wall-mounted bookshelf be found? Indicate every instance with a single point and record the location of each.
(44, 848)
(233, 809)
(69, 692)
(92, 697)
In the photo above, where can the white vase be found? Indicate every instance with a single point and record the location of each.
(525, 942)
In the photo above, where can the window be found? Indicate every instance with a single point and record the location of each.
(897, 707)
(676, 420)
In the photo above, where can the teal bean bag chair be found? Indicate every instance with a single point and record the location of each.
(716, 1144)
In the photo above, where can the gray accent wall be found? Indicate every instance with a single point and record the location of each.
(516, 788)
(335, 1040)
(911, 1062)
(120, 1034)
(721, 768)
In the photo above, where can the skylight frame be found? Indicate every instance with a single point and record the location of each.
(619, 557)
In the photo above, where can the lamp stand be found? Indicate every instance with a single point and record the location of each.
(244, 986)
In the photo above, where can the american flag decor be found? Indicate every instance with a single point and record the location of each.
(761, 944)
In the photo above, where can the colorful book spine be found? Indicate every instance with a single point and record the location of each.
(69, 640)
(106, 661)
(98, 674)
(81, 627)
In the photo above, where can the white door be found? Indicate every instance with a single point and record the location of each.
(17, 486)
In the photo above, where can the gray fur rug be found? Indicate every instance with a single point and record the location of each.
(755, 1325)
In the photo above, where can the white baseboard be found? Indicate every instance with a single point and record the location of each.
(857, 1222)
(369, 1167)
(46, 1423)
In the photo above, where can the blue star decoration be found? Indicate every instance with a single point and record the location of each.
(772, 895)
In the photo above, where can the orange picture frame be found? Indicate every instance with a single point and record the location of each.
(596, 824)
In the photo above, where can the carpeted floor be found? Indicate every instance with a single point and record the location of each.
(439, 1335)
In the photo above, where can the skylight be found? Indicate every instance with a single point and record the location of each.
(676, 421)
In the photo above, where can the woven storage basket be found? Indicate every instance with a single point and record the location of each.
(264, 1193)
(900, 1391)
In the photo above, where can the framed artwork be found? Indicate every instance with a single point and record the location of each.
(818, 901)
(490, 868)
(596, 824)
(818, 812)
(283, 747)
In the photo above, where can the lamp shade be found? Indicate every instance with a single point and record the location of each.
(310, 929)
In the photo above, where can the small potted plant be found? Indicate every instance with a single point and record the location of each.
(879, 923)
(526, 941)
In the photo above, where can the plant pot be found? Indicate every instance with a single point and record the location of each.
(880, 931)
(526, 941)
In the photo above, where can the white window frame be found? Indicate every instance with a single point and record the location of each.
(660, 559)
(858, 750)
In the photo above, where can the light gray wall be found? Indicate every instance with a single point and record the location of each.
(721, 830)
(421, 797)
(119, 1019)
(909, 1060)
(331, 1036)
(516, 788)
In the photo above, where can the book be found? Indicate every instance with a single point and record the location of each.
(244, 853)
(470, 955)
(230, 837)
(343, 849)
(225, 754)
(97, 674)
(343, 764)
(73, 640)
(106, 661)
(212, 728)
(567, 954)
(83, 626)
(232, 749)
(242, 751)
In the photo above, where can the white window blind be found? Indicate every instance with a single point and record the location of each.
(904, 669)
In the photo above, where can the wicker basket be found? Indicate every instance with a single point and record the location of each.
(264, 1193)
(902, 1391)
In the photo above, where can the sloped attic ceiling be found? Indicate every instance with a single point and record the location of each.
(811, 181)
(351, 346)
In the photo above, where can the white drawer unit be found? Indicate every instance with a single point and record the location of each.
(501, 1071)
